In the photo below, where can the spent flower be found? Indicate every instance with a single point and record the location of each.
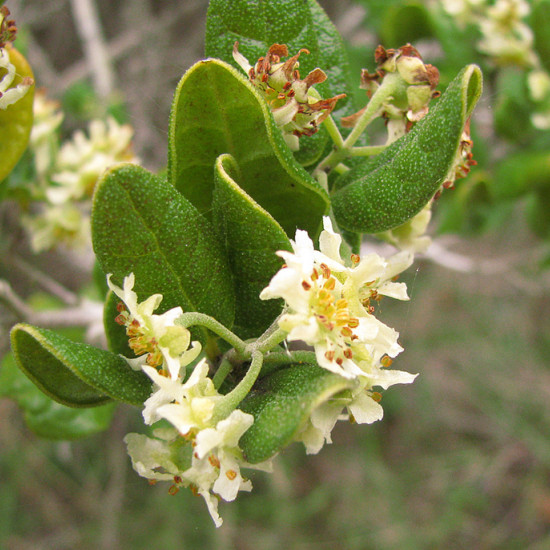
(298, 110)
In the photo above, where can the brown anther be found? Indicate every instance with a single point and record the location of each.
(437, 194)
(173, 490)
(374, 294)
(231, 474)
(370, 309)
(306, 285)
(346, 332)
(348, 353)
(353, 322)
(265, 78)
(355, 258)
(120, 319)
(177, 479)
(214, 461)
(281, 96)
(376, 396)
(339, 361)
(448, 184)
(287, 86)
(152, 481)
(326, 270)
(291, 93)
(330, 355)
(386, 361)
(436, 94)
(135, 323)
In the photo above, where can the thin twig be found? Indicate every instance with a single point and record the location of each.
(89, 29)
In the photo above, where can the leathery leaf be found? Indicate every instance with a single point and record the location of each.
(251, 237)
(75, 374)
(215, 111)
(282, 403)
(142, 225)
(385, 192)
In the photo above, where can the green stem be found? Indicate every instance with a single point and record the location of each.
(267, 341)
(391, 84)
(366, 151)
(221, 374)
(231, 401)
(194, 318)
(334, 132)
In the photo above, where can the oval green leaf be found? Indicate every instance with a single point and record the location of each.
(142, 225)
(75, 374)
(251, 237)
(215, 111)
(282, 403)
(385, 192)
(16, 119)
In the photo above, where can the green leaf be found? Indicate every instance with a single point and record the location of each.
(519, 174)
(257, 24)
(251, 237)
(141, 224)
(540, 23)
(75, 374)
(45, 417)
(404, 24)
(215, 111)
(388, 190)
(16, 119)
(282, 403)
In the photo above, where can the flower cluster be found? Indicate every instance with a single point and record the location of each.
(508, 40)
(297, 108)
(330, 306)
(414, 85)
(67, 176)
(201, 450)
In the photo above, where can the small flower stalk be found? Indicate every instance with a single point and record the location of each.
(296, 106)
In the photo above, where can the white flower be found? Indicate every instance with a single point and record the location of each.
(329, 303)
(362, 405)
(164, 343)
(82, 160)
(191, 406)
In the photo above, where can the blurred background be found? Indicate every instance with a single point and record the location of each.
(462, 457)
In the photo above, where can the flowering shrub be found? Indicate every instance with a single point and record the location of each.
(241, 313)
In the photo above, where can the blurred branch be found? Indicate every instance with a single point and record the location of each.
(88, 27)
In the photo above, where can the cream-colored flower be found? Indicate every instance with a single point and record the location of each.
(360, 405)
(82, 160)
(155, 339)
(329, 303)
